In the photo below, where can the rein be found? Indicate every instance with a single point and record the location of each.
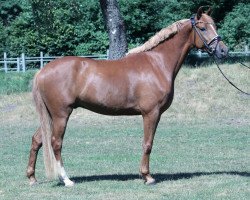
(211, 51)
(231, 83)
(240, 62)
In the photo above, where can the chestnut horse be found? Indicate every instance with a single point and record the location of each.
(141, 83)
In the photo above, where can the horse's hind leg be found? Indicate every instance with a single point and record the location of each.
(35, 146)
(59, 126)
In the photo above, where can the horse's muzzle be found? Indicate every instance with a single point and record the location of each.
(221, 50)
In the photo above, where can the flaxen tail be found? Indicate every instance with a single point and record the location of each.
(46, 129)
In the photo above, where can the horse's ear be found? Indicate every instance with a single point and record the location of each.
(209, 11)
(199, 12)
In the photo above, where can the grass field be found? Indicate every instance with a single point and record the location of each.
(201, 148)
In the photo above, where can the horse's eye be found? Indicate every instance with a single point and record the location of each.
(203, 29)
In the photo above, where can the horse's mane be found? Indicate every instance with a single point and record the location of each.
(159, 37)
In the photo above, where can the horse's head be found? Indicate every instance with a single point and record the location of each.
(205, 34)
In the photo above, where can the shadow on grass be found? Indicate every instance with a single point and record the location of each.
(159, 177)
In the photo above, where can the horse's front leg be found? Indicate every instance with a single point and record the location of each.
(150, 122)
(35, 146)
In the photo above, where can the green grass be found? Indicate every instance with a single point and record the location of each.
(13, 82)
(201, 149)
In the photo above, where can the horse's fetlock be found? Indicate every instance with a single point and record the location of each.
(30, 172)
(147, 148)
(56, 143)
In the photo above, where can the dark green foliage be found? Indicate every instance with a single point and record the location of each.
(77, 27)
(9, 11)
(21, 37)
(140, 18)
(238, 22)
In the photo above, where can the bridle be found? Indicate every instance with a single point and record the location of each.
(210, 50)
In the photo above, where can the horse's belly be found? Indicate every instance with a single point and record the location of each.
(108, 108)
(113, 101)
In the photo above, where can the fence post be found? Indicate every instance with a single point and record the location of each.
(5, 62)
(41, 60)
(23, 62)
(107, 55)
(199, 54)
(246, 50)
(18, 64)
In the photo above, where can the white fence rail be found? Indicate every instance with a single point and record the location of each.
(21, 64)
(201, 58)
(233, 54)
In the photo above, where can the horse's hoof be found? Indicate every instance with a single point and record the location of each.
(69, 183)
(150, 181)
(33, 182)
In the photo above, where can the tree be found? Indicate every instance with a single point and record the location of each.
(116, 28)
(9, 11)
(55, 26)
(69, 27)
(77, 27)
(141, 17)
(235, 29)
(43, 15)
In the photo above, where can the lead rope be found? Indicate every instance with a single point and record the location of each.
(228, 79)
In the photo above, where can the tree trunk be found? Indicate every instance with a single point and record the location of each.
(116, 29)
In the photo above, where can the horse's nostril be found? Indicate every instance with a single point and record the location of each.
(222, 52)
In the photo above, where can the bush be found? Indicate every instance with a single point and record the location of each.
(235, 29)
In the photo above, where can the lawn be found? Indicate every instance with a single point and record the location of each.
(201, 149)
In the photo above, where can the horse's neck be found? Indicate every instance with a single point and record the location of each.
(175, 50)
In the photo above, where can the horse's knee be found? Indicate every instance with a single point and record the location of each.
(147, 148)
